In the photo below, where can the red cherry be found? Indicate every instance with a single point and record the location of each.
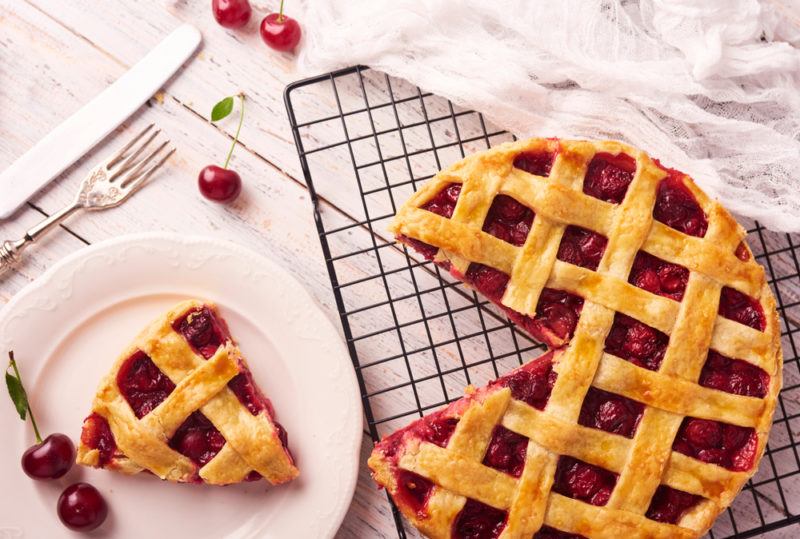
(280, 32)
(559, 318)
(231, 13)
(614, 416)
(703, 433)
(219, 184)
(193, 445)
(81, 507)
(50, 459)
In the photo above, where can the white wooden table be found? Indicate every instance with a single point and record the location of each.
(55, 56)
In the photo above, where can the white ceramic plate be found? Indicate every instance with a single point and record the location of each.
(69, 326)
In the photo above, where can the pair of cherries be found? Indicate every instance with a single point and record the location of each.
(80, 507)
(278, 31)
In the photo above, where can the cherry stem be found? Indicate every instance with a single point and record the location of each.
(236, 136)
(280, 13)
(27, 404)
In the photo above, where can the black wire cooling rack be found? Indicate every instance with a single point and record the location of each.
(366, 141)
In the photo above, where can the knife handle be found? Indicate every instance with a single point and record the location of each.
(11, 251)
(9, 254)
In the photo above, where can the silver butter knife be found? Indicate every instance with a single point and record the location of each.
(76, 135)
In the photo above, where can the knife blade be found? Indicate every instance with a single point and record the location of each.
(79, 133)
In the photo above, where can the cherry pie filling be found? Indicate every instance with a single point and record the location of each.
(659, 276)
(608, 176)
(583, 481)
(444, 204)
(435, 428)
(532, 383)
(538, 163)
(636, 342)
(742, 253)
(729, 446)
(96, 434)
(413, 489)
(677, 208)
(734, 376)
(198, 439)
(546, 532)
(742, 308)
(582, 247)
(508, 220)
(506, 451)
(427, 250)
(556, 314)
(478, 521)
(669, 504)
(143, 384)
(609, 412)
(144, 387)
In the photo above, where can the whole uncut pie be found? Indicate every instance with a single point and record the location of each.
(652, 407)
(181, 403)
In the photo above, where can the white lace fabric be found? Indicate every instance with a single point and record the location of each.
(710, 87)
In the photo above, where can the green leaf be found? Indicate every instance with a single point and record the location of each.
(222, 109)
(17, 394)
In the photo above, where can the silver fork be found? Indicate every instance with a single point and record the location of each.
(107, 185)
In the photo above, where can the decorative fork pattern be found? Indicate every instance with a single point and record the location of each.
(107, 185)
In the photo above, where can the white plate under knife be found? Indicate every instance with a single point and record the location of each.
(68, 327)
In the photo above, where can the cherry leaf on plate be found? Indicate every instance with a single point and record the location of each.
(222, 109)
(17, 394)
(16, 390)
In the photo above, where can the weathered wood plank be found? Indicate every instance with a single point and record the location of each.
(36, 259)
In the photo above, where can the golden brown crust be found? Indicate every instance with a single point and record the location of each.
(252, 442)
(647, 460)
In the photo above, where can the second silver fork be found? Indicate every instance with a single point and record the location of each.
(107, 185)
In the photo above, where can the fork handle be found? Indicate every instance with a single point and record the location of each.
(10, 251)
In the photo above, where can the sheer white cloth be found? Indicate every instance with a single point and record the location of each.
(711, 87)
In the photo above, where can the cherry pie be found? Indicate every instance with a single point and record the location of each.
(652, 407)
(181, 403)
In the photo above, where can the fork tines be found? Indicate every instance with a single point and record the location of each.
(129, 166)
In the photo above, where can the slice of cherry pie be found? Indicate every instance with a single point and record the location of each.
(180, 402)
(653, 406)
